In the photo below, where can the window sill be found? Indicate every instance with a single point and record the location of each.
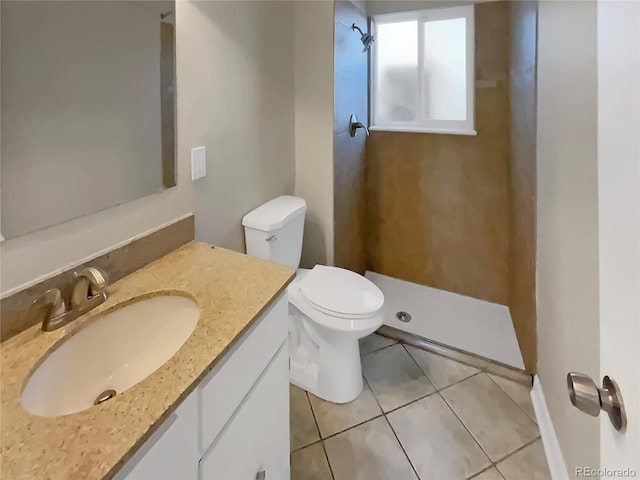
(442, 131)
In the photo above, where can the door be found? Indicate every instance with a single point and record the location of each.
(619, 223)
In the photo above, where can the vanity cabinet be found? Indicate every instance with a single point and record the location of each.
(235, 424)
(255, 442)
(171, 452)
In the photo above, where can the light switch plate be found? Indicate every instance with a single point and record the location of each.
(198, 162)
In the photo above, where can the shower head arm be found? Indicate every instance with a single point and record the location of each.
(355, 27)
(366, 38)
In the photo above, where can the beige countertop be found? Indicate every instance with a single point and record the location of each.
(231, 290)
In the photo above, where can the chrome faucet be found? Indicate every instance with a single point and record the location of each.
(88, 290)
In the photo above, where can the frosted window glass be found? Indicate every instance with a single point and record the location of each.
(397, 72)
(444, 79)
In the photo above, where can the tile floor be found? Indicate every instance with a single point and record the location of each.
(420, 416)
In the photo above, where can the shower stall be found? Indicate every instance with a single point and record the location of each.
(442, 221)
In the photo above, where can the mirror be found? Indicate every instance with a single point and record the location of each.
(88, 108)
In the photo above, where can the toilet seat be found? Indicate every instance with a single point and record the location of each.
(324, 350)
(341, 293)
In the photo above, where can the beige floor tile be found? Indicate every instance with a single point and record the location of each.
(519, 393)
(303, 430)
(333, 418)
(368, 452)
(374, 342)
(489, 474)
(441, 371)
(499, 425)
(529, 463)
(394, 377)
(436, 442)
(310, 463)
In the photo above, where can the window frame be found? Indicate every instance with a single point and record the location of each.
(456, 127)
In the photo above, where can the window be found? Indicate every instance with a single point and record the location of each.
(423, 71)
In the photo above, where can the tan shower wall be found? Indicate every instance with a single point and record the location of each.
(522, 231)
(438, 205)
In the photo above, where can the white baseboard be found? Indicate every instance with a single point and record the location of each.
(557, 467)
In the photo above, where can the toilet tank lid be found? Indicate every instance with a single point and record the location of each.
(274, 214)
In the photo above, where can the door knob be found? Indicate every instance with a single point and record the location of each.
(587, 397)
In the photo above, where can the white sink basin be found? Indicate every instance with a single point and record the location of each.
(113, 353)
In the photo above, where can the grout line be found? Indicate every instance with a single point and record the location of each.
(425, 373)
(396, 342)
(352, 427)
(303, 447)
(381, 414)
(512, 399)
(313, 414)
(404, 404)
(374, 397)
(476, 475)
(395, 409)
(502, 459)
(402, 447)
(391, 427)
(384, 414)
(315, 420)
(326, 456)
(466, 428)
(418, 365)
(493, 463)
(460, 381)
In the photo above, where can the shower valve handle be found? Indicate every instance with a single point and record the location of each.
(354, 124)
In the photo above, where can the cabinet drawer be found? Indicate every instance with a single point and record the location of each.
(256, 439)
(230, 381)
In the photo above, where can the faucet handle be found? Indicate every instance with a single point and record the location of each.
(51, 302)
(88, 282)
(98, 279)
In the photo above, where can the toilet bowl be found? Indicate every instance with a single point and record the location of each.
(330, 308)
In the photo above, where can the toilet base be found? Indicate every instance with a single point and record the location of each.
(334, 376)
(323, 362)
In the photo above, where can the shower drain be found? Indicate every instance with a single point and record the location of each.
(403, 316)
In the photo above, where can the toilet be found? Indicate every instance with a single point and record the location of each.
(330, 308)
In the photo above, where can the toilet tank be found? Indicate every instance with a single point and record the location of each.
(274, 230)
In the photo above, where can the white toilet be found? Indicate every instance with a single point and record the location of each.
(330, 308)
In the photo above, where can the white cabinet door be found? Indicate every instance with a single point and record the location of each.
(231, 379)
(172, 452)
(255, 442)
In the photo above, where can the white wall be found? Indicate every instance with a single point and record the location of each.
(236, 91)
(314, 119)
(234, 95)
(567, 265)
(81, 109)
